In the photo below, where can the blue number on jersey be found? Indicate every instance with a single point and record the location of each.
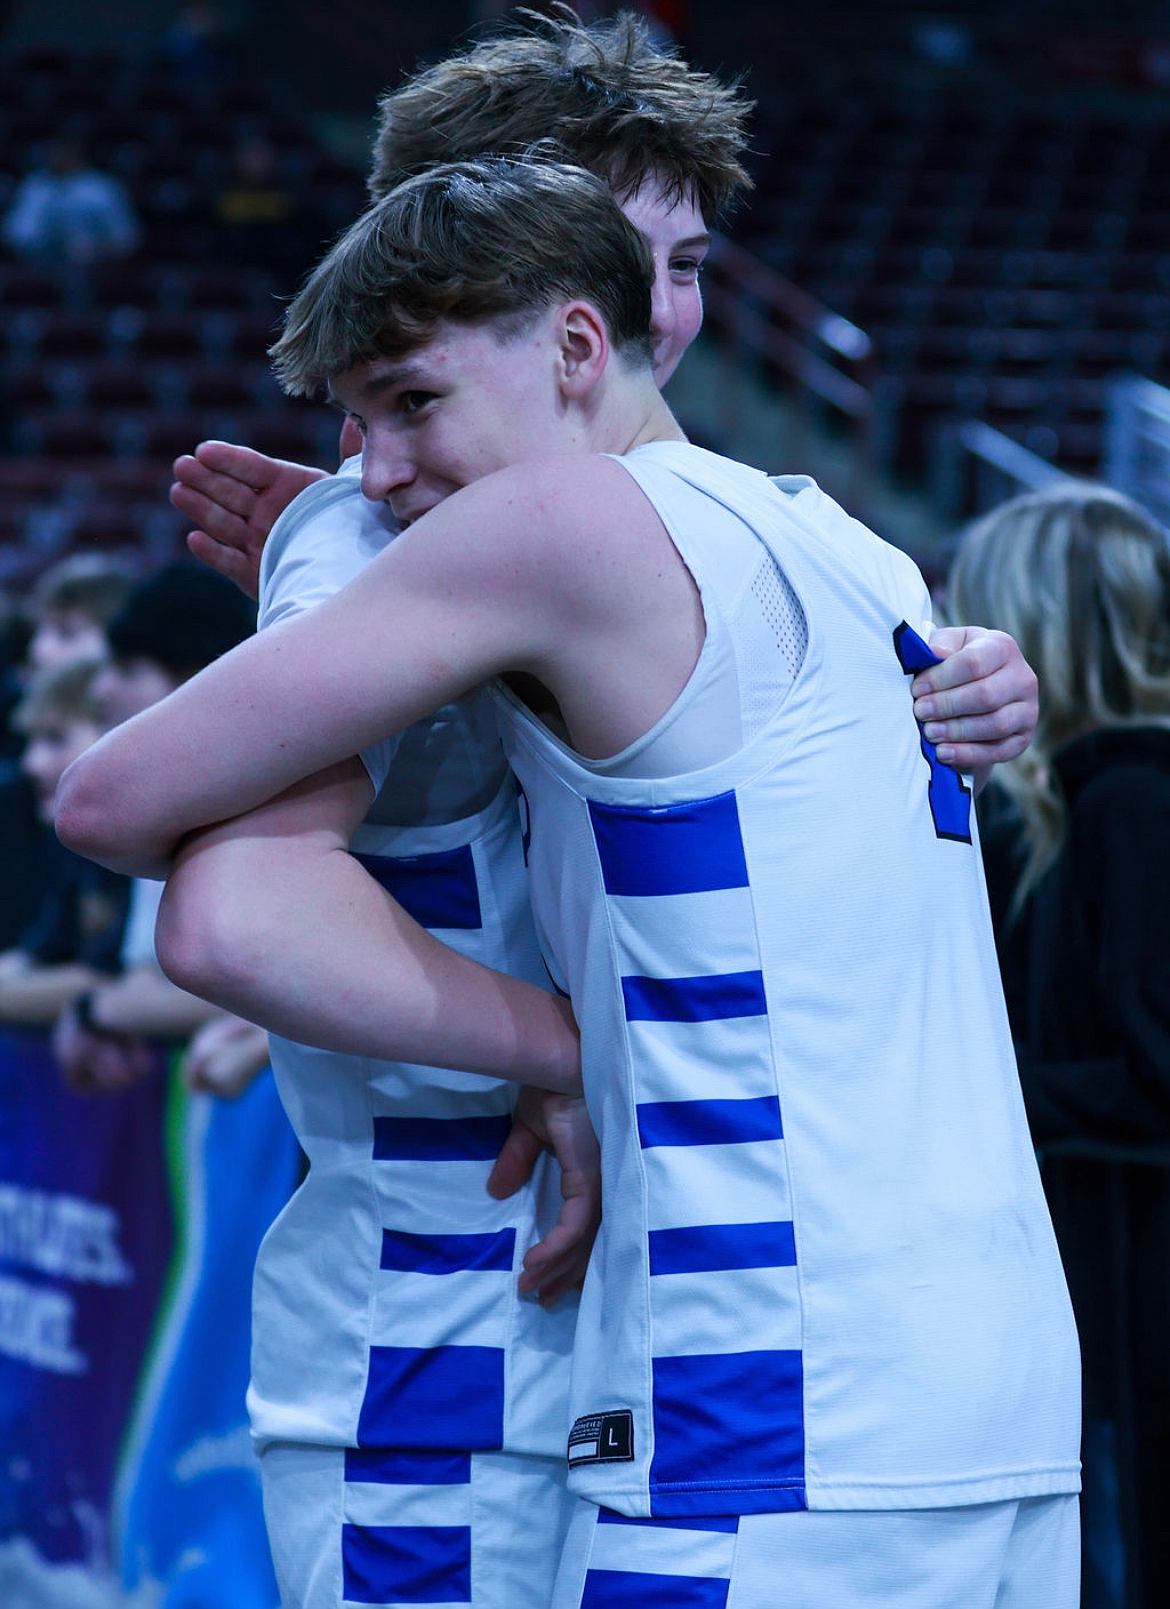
(949, 795)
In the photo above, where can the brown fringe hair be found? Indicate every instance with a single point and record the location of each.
(495, 241)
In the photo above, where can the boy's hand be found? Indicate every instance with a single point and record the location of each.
(560, 1124)
(980, 705)
(234, 495)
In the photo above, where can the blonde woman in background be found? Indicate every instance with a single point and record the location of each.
(1077, 847)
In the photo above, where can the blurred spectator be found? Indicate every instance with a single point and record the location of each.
(14, 638)
(63, 622)
(69, 607)
(1080, 847)
(21, 834)
(75, 938)
(70, 212)
(182, 1186)
(1077, 846)
(194, 45)
(170, 626)
(259, 219)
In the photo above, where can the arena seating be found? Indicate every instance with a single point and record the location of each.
(1005, 246)
(1006, 261)
(107, 373)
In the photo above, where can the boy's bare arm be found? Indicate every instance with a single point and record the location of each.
(462, 595)
(559, 568)
(270, 917)
(253, 915)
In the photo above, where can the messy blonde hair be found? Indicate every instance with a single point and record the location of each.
(61, 693)
(1080, 577)
(86, 583)
(611, 99)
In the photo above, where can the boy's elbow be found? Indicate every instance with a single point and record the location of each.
(203, 941)
(189, 943)
(87, 818)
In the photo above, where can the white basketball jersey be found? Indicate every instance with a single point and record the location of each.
(386, 1310)
(826, 1275)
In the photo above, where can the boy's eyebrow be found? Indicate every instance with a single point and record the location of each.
(692, 240)
(399, 373)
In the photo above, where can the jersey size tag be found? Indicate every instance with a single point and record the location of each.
(602, 1438)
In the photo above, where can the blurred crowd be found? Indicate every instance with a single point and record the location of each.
(123, 1097)
(77, 954)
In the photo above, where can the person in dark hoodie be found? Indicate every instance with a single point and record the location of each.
(1076, 836)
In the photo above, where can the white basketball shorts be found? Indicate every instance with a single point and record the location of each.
(391, 1528)
(1013, 1555)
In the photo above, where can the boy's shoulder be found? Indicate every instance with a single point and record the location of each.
(326, 535)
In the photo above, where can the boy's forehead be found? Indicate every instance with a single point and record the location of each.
(452, 348)
(366, 381)
(655, 201)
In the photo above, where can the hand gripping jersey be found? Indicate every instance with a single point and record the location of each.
(826, 1275)
(386, 1311)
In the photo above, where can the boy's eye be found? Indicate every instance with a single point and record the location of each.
(688, 266)
(414, 401)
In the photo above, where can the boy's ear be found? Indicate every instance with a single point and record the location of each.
(584, 348)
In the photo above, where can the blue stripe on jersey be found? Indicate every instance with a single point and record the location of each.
(670, 849)
(710, 998)
(733, 1420)
(447, 1254)
(728, 1524)
(440, 1139)
(434, 1397)
(438, 890)
(406, 1563)
(742, 1499)
(637, 1589)
(384, 1466)
(705, 1248)
(709, 1122)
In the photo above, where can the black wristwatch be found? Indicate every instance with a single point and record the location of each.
(83, 1010)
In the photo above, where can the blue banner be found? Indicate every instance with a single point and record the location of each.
(129, 1226)
(86, 1239)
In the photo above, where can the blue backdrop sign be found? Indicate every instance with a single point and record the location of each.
(128, 1230)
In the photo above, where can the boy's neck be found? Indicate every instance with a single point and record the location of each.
(642, 417)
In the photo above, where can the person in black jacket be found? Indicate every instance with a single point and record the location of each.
(1076, 837)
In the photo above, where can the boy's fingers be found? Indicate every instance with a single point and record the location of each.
(513, 1167)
